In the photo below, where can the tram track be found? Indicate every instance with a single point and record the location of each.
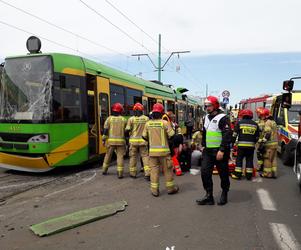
(13, 185)
(4, 198)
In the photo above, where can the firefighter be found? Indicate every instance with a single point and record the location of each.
(270, 142)
(216, 141)
(157, 132)
(260, 122)
(114, 139)
(134, 128)
(175, 145)
(197, 139)
(168, 116)
(247, 132)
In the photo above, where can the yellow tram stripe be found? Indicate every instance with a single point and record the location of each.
(65, 150)
(71, 71)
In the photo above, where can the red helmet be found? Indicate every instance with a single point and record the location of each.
(246, 112)
(158, 107)
(265, 113)
(117, 107)
(213, 101)
(138, 106)
(259, 110)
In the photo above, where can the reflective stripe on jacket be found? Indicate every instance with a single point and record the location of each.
(157, 132)
(248, 133)
(213, 132)
(116, 126)
(136, 126)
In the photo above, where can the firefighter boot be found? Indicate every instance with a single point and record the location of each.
(224, 198)
(155, 192)
(104, 170)
(207, 200)
(120, 174)
(174, 190)
(236, 175)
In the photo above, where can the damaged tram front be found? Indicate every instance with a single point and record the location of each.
(42, 124)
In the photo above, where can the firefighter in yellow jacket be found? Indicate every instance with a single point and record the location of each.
(197, 139)
(135, 127)
(114, 138)
(260, 122)
(270, 140)
(157, 132)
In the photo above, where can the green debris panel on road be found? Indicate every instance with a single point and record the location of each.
(59, 224)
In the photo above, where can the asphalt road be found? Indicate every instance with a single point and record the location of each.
(262, 214)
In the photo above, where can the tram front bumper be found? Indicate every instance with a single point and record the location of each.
(23, 163)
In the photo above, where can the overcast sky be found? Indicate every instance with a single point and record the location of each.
(228, 39)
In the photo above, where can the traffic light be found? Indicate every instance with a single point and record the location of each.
(288, 85)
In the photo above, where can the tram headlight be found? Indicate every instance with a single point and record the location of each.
(39, 138)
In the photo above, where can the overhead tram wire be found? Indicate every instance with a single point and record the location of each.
(132, 22)
(61, 45)
(195, 78)
(117, 27)
(63, 29)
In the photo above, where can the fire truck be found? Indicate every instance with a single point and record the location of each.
(254, 103)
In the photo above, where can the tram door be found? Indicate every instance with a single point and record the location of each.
(103, 107)
(92, 119)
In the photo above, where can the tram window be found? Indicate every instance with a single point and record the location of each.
(170, 106)
(181, 112)
(67, 99)
(104, 109)
(132, 96)
(117, 94)
(146, 109)
(151, 103)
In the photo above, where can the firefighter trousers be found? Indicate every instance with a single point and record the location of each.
(120, 151)
(248, 153)
(270, 162)
(164, 161)
(133, 153)
(208, 163)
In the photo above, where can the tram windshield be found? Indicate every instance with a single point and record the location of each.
(25, 89)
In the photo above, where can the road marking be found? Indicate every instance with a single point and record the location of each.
(284, 236)
(73, 186)
(265, 199)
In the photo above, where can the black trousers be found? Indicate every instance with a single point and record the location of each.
(248, 153)
(189, 132)
(208, 163)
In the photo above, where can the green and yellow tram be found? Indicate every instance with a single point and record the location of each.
(53, 107)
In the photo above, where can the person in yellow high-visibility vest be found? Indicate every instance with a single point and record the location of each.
(157, 132)
(216, 141)
(135, 127)
(114, 139)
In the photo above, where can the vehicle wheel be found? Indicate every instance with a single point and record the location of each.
(287, 154)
